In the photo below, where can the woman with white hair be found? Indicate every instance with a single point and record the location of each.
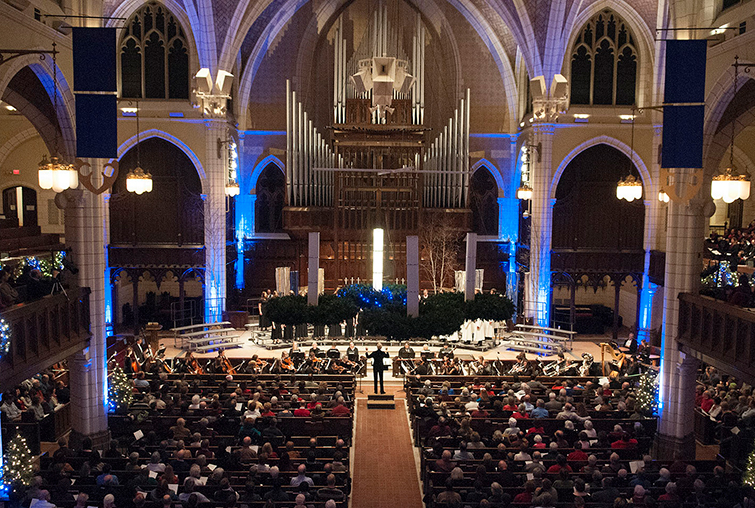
(108, 501)
(512, 429)
(195, 400)
(590, 430)
(195, 473)
(155, 464)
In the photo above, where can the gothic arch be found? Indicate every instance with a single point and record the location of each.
(260, 167)
(640, 29)
(186, 17)
(241, 23)
(43, 69)
(493, 171)
(639, 164)
(156, 133)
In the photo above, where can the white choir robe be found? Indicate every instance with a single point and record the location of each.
(467, 331)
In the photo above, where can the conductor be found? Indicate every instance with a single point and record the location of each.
(378, 365)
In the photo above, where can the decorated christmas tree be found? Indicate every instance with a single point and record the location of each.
(647, 395)
(17, 468)
(120, 391)
(748, 478)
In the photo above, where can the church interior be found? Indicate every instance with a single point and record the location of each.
(367, 253)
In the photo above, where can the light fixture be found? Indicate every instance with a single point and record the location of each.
(728, 185)
(629, 188)
(378, 237)
(53, 173)
(232, 189)
(663, 197)
(137, 180)
(524, 192)
(581, 118)
(232, 186)
(627, 118)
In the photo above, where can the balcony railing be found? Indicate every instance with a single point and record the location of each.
(719, 333)
(44, 332)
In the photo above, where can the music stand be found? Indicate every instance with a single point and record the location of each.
(297, 357)
(321, 354)
(333, 354)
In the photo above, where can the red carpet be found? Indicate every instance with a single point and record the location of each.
(384, 472)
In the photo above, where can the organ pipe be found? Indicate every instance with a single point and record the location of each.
(306, 151)
(447, 162)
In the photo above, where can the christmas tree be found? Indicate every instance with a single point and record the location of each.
(748, 478)
(647, 395)
(17, 468)
(120, 391)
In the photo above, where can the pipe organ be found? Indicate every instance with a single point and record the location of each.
(307, 149)
(447, 163)
(381, 39)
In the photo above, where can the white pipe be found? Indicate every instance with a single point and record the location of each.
(466, 151)
(289, 143)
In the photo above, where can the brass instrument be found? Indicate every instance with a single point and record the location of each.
(552, 369)
(617, 358)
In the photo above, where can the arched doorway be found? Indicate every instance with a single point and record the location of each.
(596, 235)
(483, 201)
(20, 203)
(156, 235)
(271, 193)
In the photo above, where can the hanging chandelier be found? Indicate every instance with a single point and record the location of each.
(630, 188)
(524, 192)
(232, 186)
(232, 189)
(663, 197)
(137, 180)
(53, 173)
(728, 185)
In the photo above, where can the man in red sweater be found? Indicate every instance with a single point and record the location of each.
(340, 409)
(625, 442)
(302, 411)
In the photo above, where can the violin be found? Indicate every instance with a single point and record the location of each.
(287, 364)
(227, 366)
(195, 367)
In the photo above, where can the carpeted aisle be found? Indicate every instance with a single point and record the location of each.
(384, 472)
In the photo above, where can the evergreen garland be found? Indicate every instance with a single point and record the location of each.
(5, 337)
(120, 392)
(748, 478)
(647, 395)
(17, 465)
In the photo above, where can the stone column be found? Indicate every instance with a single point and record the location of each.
(541, 221)
(683, 264)
(470, 266)
(412, 276)
(88, 369)
(214, 219)
(313, 268)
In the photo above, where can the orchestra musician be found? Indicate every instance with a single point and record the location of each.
(286, 364)
(403, 363)
(352, 353)
(333, 352)
(446, 352)
(314, 349)
(406, 352)
(138, 350)
(423, 367)
(426, 353)
(313, 364)
(294, 349)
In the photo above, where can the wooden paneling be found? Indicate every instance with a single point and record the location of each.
(44, 332)
(720, 332)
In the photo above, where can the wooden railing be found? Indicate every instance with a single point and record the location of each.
(722, 334)
(44, 332)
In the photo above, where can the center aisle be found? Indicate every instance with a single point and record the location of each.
(384, 472)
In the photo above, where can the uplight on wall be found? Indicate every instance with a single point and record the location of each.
(378, 237)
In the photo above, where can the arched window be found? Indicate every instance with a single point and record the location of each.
(271, 192)
(604, 62)
(483, 201)
(154, 55)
